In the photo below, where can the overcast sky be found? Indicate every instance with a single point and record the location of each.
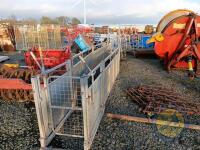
(98, 11)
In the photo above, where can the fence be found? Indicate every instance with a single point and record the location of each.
(44, 36)
(125, 41)
(73, 104)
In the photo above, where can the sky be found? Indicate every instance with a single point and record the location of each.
(98, 11)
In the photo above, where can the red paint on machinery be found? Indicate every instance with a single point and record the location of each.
(180, 42)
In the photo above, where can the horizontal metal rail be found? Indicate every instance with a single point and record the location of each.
(67, 108)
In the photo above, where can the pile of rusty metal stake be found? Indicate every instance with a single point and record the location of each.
(155, 99)
(19, 73)
(20, 89)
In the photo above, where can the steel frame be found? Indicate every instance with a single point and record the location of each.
(93, 98)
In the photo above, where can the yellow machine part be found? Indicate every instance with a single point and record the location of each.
(12, 65)
(190, 66)
(156, 37)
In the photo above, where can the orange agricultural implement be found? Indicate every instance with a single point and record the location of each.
(177, 41)
(15, 83)
(50, 57)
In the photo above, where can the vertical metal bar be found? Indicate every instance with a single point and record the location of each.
(84, 95)
(37, 99)
(102, 94)
(187, 31)
(119, 55)
(50, 115)
(196, 30)
(68, 67)
(102, 67)
(46, 134)
(25, 41)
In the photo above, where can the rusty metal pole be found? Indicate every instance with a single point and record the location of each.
(152, 121)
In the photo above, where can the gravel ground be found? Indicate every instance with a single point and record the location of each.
(18, 126)
(19, 130)
(115, 134)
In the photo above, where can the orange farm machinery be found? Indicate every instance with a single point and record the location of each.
(15, 83)
(49, 57)
(177, 41)
(72, 32)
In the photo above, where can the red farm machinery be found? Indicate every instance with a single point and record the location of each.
(177, 41)
(45, 47)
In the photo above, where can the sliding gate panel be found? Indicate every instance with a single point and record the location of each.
(66, 105)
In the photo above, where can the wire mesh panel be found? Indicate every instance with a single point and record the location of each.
(66, 105)
(125, 39)
(20, 37)
(58, 36)
(44, 36)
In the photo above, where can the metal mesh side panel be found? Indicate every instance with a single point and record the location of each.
(44, 36)
(66, 103)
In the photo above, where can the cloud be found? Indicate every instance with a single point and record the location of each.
(98, 11)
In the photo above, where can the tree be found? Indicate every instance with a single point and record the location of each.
(75, 21)
(30, 21)
(12, 19)
(63, 20)
(46, 20)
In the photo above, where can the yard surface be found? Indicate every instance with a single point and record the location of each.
(19, 129)
(123, 135)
